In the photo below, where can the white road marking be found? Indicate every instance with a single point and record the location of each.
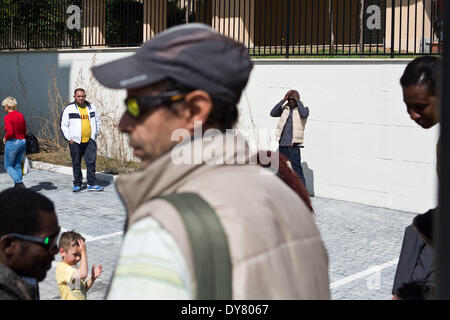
(363, 274)
(90, 238)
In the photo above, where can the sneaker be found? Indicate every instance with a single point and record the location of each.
(94, 188)
(19, 185)
(76, 189)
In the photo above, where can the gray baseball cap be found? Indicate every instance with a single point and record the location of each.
(193, 54)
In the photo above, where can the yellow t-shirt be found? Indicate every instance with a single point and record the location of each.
(69, 289)
(85, 124)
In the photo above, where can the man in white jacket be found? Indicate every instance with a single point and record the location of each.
(80, 124)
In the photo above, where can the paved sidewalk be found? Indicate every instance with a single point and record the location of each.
(363, 242)
(98, 216)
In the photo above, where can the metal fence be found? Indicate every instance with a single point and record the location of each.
(286, 28)
(36, 24)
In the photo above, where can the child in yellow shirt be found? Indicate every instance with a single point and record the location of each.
(71, 281)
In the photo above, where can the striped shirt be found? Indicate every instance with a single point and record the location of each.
(153, 266)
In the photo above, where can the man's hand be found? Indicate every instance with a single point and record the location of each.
(296, 95)
(96, 272)
(71, 141)
(287, 95)
(4, 140)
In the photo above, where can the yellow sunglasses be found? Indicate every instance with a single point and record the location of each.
(137, 105)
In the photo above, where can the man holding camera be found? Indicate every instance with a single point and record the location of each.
(291, 127)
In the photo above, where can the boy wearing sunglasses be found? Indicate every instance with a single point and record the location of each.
(71, 281)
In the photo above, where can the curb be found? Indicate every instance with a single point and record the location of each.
(68, 170)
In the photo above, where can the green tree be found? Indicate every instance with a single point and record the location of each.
(124, 22)
(36, 24)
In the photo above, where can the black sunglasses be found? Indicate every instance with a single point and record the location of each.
(137, 105)
(47, 242)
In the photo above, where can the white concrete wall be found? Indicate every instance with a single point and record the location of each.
(360, 144)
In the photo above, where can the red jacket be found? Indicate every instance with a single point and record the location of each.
(15, 126)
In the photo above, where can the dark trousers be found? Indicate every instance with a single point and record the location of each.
(87, 150)
(293, 154)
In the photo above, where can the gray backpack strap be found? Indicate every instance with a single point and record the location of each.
(209, 244)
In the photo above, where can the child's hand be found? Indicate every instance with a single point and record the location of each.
(96, 272)
(82, 245)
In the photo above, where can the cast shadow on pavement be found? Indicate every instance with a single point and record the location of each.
(102, 183)
(309, 178)
(2, 165)
(44, 186)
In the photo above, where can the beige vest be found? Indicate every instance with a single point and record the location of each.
(275, 246)
(298, 125)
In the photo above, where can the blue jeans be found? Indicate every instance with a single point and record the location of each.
(14, 152)
(88, 151)
(294, 157)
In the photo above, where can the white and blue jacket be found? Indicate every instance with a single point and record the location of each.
(71, 122)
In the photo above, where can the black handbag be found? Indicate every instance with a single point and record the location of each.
(32, 144)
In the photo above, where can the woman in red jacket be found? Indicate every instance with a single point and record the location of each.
(14, 140)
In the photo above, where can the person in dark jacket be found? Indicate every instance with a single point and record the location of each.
(419, 94)
(416, 290)
(28, 242)
(415, 262)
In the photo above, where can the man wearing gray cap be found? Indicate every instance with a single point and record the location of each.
(203, 229)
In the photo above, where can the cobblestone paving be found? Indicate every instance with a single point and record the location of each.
(357, 237)
(93, 214)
